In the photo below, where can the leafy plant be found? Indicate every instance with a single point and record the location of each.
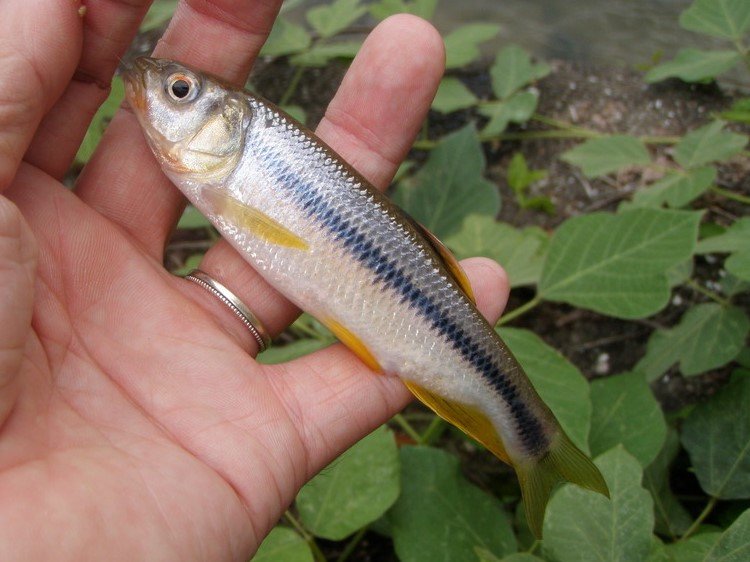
(725, 19)
(520, 178)
(628, 265)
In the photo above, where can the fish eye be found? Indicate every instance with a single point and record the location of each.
(181, 87)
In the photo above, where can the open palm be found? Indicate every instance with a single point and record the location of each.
(134, 421)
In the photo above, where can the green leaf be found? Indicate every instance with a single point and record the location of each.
(517, 109)
(707, 144)
(716, 434)
(734, 543)
(732, 285)
(728, 19)
(694, 65)
(296, 112)
(354, 490)
(744, 357)
(192, 219)
(385, 8)
(452, 95)
(600, 156)
(739, 112)
(513, 70)
(735, 238)
(559, 383)
(330, 19)
(283, 545)
(286, 38)
(677, 189)
(442, 517)
(159, 12)
(617, 264)
(450, 185)
(693, 549)
(671, 518)
(100, 120)
(520, 252)
(520, 176)
(658, 552)
(739, 265)
(462, 44)
(289, 5)
(582, 526)
(321, 55)
(678, 274)
(193, 262)
(708, 336)
(298, 348)
(625, 412)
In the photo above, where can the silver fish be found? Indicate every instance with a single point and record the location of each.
(339, 249)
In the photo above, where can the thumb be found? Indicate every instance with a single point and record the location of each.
(18, 252)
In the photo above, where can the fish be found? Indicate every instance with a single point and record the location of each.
(340, 250)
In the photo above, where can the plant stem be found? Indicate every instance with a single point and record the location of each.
(433, 431)
(292, 87)
(352, 544)
(731, 195)
(702, 517)
(534, 546)
(705, 292)
(516, 312)
(309, 539)
(308, 331)
(426, 144)
(408, 428)
(590, 133)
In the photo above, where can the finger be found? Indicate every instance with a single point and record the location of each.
(33, 72)
(332, 385)
(108, 29)
(371, 122)
(122, 180)
(17, 267)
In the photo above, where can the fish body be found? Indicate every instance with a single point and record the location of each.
(340, 250)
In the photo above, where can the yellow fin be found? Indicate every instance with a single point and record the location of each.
(466, 418)
(354, 344)
(450, 262)
(251, 218)
(563, 462)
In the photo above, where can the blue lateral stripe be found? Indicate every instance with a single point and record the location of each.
(395, 278)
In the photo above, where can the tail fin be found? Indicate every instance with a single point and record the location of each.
(564, 462)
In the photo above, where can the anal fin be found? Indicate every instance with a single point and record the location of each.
(466, 418)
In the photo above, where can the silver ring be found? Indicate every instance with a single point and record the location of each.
(238, 308)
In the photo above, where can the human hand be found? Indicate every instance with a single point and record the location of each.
(134, 421)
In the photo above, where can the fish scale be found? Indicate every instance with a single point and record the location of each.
(339, 249)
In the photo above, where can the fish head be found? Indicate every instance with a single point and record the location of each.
(194, 124)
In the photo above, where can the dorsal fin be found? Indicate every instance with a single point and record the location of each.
(449, 260)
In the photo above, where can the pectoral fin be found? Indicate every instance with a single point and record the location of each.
(257, 222)
(354, 344)
(466, 418)
(450, 262)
